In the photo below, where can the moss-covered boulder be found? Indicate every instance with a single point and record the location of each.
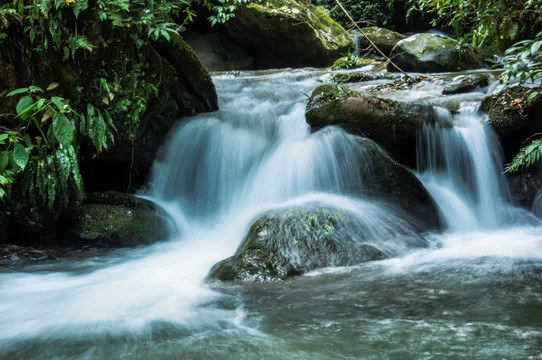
(515, 114)
(289, 33)
(432, 53)
(114, 219)
(295, 240)
(384, 39)
(392, 124)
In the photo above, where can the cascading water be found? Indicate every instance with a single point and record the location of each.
(468, 295)
(460, 159)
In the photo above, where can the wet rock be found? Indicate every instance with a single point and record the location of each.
(292, 241)
(466, 83)
(397, 186)
(10, 253)
(384, 39)
(392, 124)
(525, 186)
(515, 114)
(114, 219)
(289, 33)
(432, 53)
(360, 76)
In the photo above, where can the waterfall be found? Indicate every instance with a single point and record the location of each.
(217, 173)
(459, 161)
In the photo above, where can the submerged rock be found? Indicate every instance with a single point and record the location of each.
(432, 53)
(295, 240)
(392, 124)
(289, 33)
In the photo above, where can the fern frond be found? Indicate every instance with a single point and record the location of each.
(526, 157)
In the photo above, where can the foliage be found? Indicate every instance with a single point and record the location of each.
(524, 61)
(480, 22)
(527, 156)
(350, 61)
(40, 142)
(379, 12)
(42, 145)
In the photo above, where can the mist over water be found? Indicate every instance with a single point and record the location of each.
(474, 292)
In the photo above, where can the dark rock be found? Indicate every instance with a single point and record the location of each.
(114, 219)
(289, 33)
(467, 83)
(432, 53)
(515, 115)
(217, 51)
(292, 241)
(525, 186)
(392, 124)
(186, 89)
(397, 186)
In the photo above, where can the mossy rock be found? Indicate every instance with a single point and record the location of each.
(392, 124)
(292, 241)
(383, 38)
(433, 53)
(118, 220)
(360, 76)
(515, 114)
(289, 33)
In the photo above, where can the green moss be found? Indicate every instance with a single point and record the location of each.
(119, 225)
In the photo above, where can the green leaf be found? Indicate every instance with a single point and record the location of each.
(20, 156)
(63, 129)
(33, 88)
(17, 91)
(535, 47)
(59, 102)
(3, 137)
(23, 106)
(4, 160)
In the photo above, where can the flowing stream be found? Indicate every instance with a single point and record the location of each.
(475, 292)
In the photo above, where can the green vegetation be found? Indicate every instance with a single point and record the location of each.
(377, 12)
(43, 131)
(484, 22)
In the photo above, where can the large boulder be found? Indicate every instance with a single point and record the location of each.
(387, 181)
(295, 240)
(185, 88)
(384, 39)
(289, 33)
(217, 51)
(432, 53)
(515, 114)
(394, 125)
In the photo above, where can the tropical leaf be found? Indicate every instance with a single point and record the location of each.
(63, 129)
(17, 91)
(20, 156)
(23, 106)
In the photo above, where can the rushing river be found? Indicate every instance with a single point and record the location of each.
(474, 293)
